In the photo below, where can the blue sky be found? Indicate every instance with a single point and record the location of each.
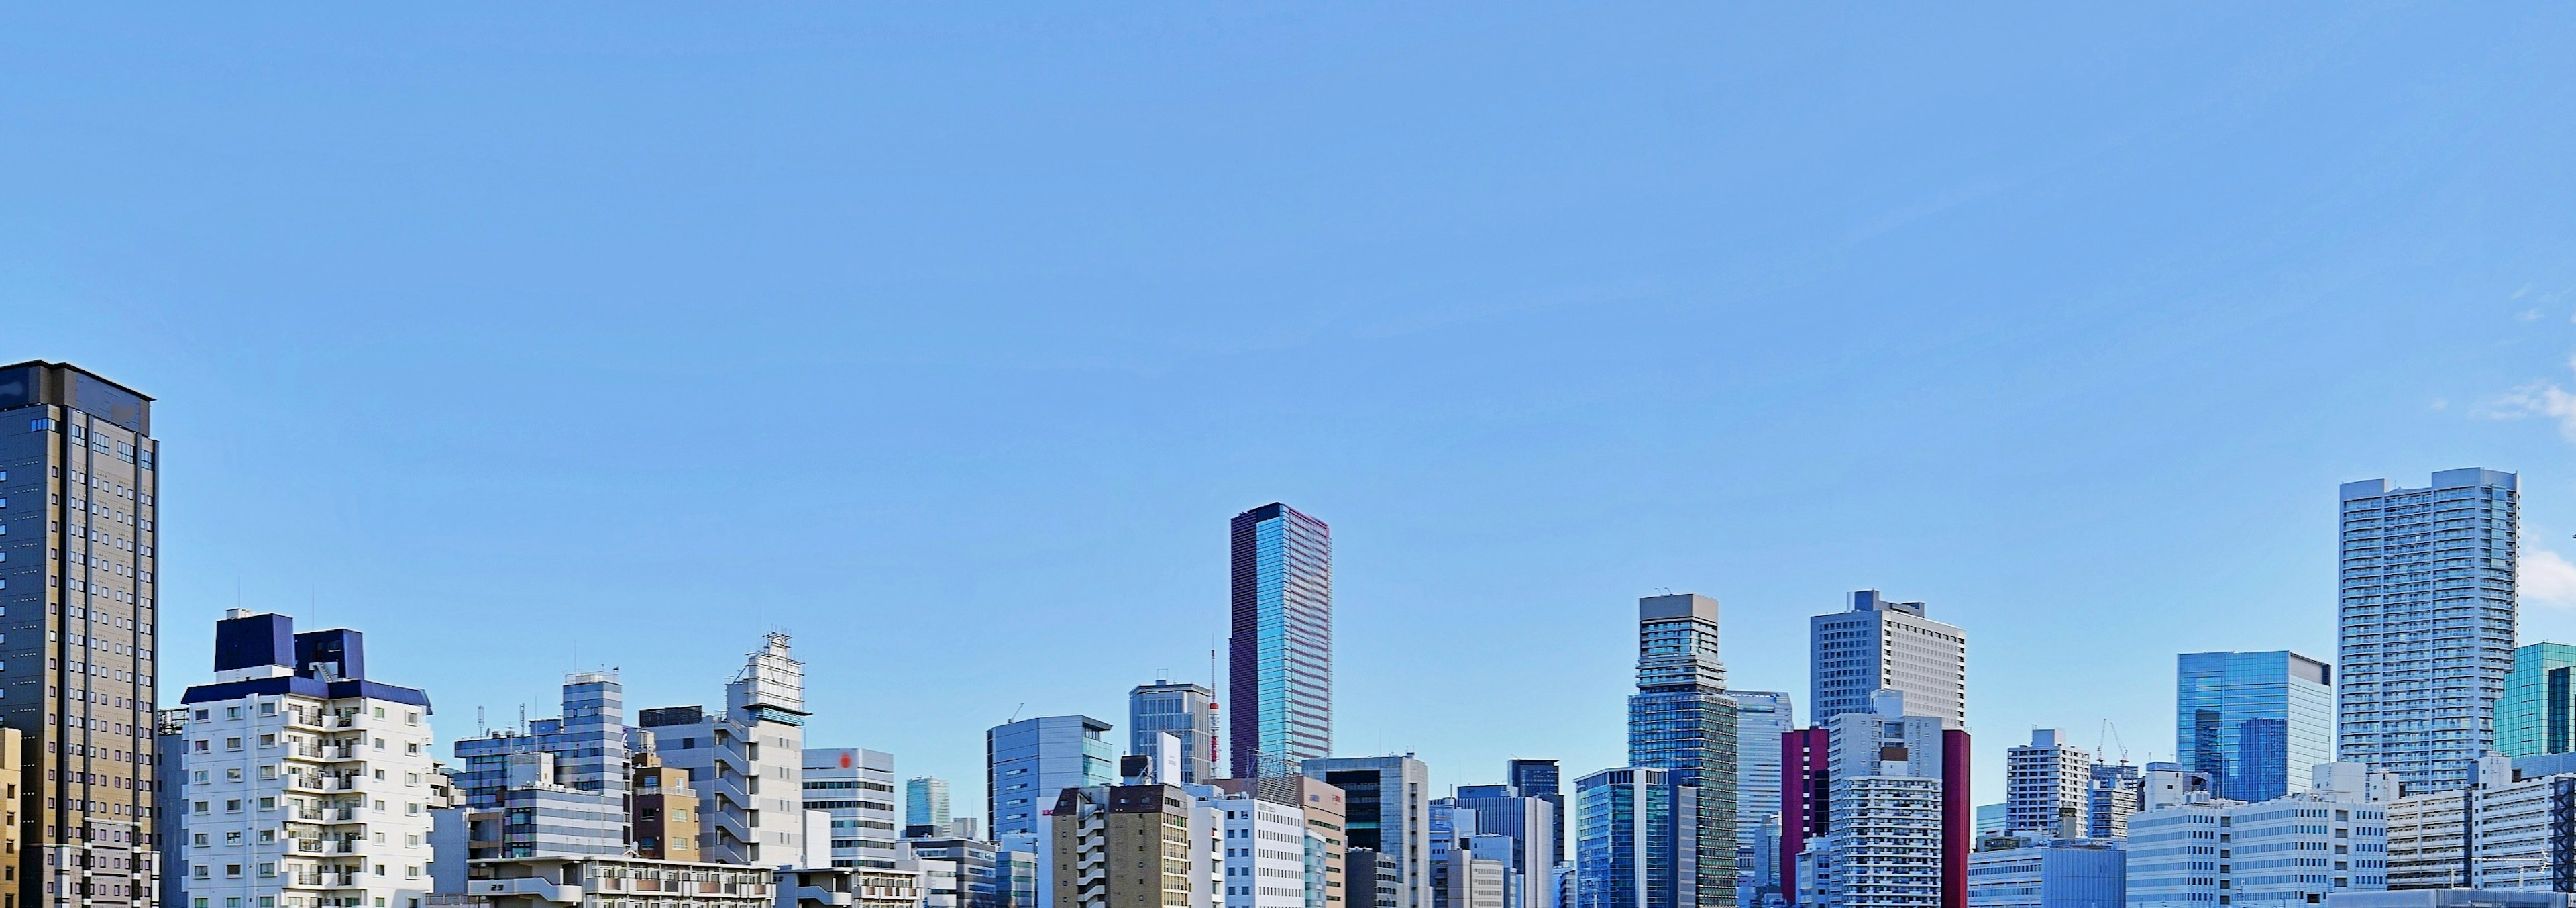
(948, 337)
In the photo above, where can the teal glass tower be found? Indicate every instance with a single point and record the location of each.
(1280, 674)
(2257, 723)
(2533, 718)
(1681, 720)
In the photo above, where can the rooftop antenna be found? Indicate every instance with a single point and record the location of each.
(1015, 713)
(479, 729)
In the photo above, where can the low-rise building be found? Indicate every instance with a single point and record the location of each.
(849, 887)
(2064, 873)
(625, 882)
(2293, 849)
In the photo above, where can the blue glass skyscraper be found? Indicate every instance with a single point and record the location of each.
(1681, 720)
(2256, 722)
(1632, 838)
(1281, 671)
(2538, 713)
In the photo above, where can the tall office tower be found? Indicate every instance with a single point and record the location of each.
(1096, 830)
(2046, 786)
(856, 787)
(1028, 761)
(79, 487)
(1184, 711)
(1281, 654)
(1540, 779)
(1633, 843)
(1878, 815)
(925, 803)
(751, 811)
(1881, 645)
(1681, 719)
(1761, 717)
(1528, 827)
(588, 743)
(2538, 713)
(2110, 802)
(2253, 721)
(2426, 631)
(1388, 801)
(301, 778)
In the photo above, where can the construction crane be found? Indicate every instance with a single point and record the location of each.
(2111, 735)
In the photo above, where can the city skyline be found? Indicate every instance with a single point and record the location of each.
(997, 317)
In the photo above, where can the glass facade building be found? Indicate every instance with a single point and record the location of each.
(1280, 673)
(1682, 721)
(2425, 623)
(2533, 717)
(1633, 844)
(2257, 723)
(1184, 711)
(1540, 779)
(1028, 762)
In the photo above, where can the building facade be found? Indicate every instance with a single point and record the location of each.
(2538, 713)
(2295, 849)
(2063, 873)
(1526, 829)
(1882, 645)
(1100, 832)
(1893, 824)
(2112, 799)
(1761, 717)
(79, 515)
(2255, 722)
(1280, 673)
(1322, 808)
(2047, 786)
(855, 786)
(1542, 779)
(1387, 811)
(1683, 720)
(1027, 762)
(1635, 845)
(1185, 711)
(925, 803)
(2426, 622)
(302, 782)
(746, 762)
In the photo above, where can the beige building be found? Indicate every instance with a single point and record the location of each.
(665, 815)
(1128, 846)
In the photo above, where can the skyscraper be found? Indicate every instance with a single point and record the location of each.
(1879, 814)
(79, 492)
(1761, 717)
(1182, 710)
(1633, 841)
(2046, 786)
(1540, 779)
(2255, 722)
(1881, 645)
(1029, 761)
(1682, 720)
(925, 803)
(2427, 622)
(1281, 665)
(2538, 713)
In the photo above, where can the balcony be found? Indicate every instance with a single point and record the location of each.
(544, 890)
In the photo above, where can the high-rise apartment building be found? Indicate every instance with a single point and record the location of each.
(1681, 719)
(1879, 815)
(2426, 624)
(2047, 785)
(1634, 842)
(752, 810)
(855, 786)
(1028, 761)
(1388, 805)
(2113, 798)
(79, 491)
(2538, 712)
(2255, 722)
(1185, 711)
(1881, 645)
(1281, 653)
(925, 803)
(1541, 779)
(302, 782)
(1761, 717)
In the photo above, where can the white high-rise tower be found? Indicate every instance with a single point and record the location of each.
(2426, 631)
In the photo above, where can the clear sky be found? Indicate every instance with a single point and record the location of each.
(947, 337)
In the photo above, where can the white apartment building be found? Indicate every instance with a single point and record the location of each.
(2501, 833)
(2426, 623)
(1263, 850)
(301, 783)
(746, 763)
(2295, 849)
(1884, 837)
(2047, 785)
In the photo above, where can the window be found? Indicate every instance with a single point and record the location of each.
(201, 808)
(411, 718)
(232, 871)
(200, 777)
(268, 803)
(233, 838)
(268, 836)
(199, 872)
(232, 805)
(268, 740)
(232, 712)
(267, 870)
(380, 712)
(233, 774)
(232, 743)
(268, 709)
(201, 840)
